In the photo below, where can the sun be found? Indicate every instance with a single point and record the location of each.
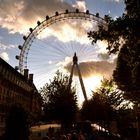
(91, 84)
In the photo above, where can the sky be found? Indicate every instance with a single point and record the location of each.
(54, 48)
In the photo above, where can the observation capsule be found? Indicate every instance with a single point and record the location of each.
(47, 17)
(56, 13)
(17, 57)
(20, 47)
(24, 37)
(67, 11)
(31, 30)
(97, 14)
(87, 11)
(16, 68)
(77, 10)
(38, 23)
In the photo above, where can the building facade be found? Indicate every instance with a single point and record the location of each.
(17, 89)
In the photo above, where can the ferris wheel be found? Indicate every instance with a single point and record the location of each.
(51, 44)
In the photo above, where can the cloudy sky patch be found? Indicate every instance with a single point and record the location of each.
(4, 56)
(88, 69)
(60, 40)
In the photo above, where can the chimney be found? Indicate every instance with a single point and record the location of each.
(26, 71)
(31, 78)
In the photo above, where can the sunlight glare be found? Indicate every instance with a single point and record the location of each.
(92, 83)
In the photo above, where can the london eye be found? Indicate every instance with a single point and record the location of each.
(50, 45)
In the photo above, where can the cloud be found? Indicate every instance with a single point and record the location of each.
(103, 45)
(19, 15)
(4, 56)
(69, 31)
(117, 1)
(4, 47)
(80, 5)
(3, 51)
(103, 56)
(102, 68)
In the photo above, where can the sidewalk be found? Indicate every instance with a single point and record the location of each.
(40, 131)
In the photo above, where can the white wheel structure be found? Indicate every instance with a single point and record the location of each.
(49, 45)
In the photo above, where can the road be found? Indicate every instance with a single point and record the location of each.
(40, 131)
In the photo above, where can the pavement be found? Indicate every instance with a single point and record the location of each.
(39, 131)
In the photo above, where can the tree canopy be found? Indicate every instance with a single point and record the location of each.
(103, 105)
(123, 38)
(60, 101)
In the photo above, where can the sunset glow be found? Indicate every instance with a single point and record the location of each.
(90, 83)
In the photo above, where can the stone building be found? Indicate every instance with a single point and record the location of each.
(17, 89)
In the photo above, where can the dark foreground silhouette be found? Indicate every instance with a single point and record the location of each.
(17, 126)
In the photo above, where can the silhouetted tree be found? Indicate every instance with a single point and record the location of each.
(125, 123)
(123, 35)
(102, 107)
(97, 110)
(60, 101)
(17, 126)
(113, 95)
